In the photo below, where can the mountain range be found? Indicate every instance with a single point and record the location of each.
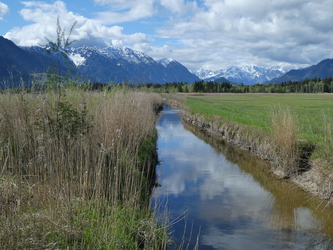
(250, 75)
(321, 70)
(119, 65)
(104, 65)
(247, 75)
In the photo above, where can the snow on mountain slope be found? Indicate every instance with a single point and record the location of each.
(127, 65)
(118, 65)
(165, 61)
(248, 75)
(209, 74)
(113, 53)
(77, 59)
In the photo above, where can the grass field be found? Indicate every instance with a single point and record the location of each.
(313, 112)
(307, 118)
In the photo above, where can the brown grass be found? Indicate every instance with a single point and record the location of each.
(61, 153)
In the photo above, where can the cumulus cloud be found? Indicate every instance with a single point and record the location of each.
(119, 11)
(260, 32)
(213, 33)
(3, 10)
(87, 31)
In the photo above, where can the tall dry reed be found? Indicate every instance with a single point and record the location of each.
(68, 159)
(285, 140)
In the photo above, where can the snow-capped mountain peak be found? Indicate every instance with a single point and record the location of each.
(114, 53)
(166, 61)
(208, 74)
(119, 65)
(248, 74)
(122, 64)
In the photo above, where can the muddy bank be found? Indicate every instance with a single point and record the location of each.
(310, 175)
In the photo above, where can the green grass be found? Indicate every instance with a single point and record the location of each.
(118, 227)
(255, 110)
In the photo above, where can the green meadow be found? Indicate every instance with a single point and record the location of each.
(312, 112)
(312, 116)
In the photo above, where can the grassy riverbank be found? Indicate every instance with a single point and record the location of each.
(292, 130)
(76, 170)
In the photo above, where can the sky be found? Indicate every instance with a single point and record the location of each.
(206, 34)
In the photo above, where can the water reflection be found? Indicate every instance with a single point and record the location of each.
(230, 198)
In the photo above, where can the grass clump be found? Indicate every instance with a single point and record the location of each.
(76, 170)
(285, 140)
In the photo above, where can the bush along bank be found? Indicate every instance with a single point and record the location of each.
(76, 170)
(290, 157)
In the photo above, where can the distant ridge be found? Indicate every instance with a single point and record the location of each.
(222, 79)
(321, 70)
(17, 64)
(247, 75)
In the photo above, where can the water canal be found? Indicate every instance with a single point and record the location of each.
(219, 197)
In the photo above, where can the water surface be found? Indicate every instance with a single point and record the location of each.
(219, 197)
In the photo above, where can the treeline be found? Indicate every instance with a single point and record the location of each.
(315, 85)
(199, 86)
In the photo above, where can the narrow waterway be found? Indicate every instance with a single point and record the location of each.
(219, 197)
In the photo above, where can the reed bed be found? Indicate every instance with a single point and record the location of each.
(76, 170)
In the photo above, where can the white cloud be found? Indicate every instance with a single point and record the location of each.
(3, 10)
(124, 11)
(260, 32)
(179, 6)
(88, 32)
(213, 33)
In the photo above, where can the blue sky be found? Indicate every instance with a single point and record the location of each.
(210, 34)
